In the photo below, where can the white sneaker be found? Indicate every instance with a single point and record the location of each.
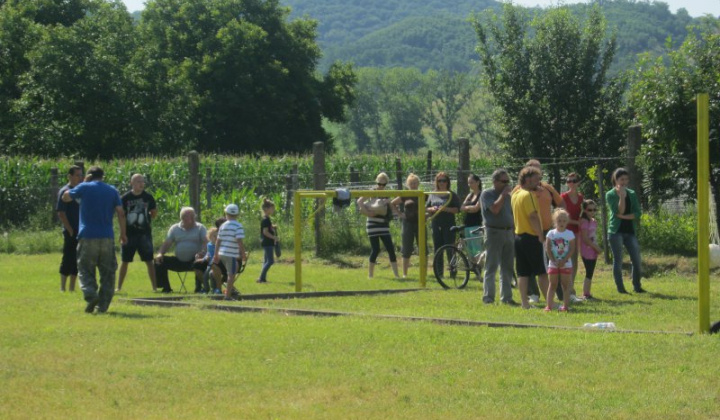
(575, 299)
(534, 298)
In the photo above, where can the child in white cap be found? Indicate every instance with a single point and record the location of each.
(229, 246)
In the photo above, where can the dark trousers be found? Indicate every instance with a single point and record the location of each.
(68, 265)
(375, 247)
(441, 235)
(174, 264)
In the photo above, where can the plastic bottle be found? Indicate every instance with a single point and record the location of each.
(601, 325)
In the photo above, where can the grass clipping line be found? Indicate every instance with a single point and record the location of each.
(175, 302)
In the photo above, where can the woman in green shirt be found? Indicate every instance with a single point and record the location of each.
(624, 222)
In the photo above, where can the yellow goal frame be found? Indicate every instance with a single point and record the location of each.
(354, 194)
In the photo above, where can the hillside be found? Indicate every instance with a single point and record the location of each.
(436, 34)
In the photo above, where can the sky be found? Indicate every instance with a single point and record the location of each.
(694, 7)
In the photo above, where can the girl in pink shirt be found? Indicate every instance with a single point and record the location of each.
(589, 249)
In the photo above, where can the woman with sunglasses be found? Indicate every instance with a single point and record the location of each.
(443, 219)
(379, 214)
(573, 204)
(623, 224)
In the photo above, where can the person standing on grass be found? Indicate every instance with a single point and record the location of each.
(379, 214)
(140, 209)
(623, 225)
(409, 217)
(69, 215)
(529, 235)
(96, 248)
(268, 239)
(499, 238)
(189, 238)
(546, 196)
(472, 206)
(559, 247)
(443, 219)
(589, 249)
(229, 247)
(573, 205)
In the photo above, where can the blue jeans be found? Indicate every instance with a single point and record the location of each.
(268, 262)
(629, 240)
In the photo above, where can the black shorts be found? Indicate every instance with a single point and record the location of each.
(529, 256)
(140, 243)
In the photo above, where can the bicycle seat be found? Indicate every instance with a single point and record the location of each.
(457, 228)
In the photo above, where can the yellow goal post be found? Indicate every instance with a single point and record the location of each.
(422, 220)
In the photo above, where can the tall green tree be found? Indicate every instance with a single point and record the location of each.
(663, 97)
(237, 76)
(76, 97)
(549, 77)
(450, 92)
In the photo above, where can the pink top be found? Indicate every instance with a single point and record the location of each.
(590, 228)
(573, 209)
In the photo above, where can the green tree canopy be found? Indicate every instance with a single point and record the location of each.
(549, 78)
(663, 96)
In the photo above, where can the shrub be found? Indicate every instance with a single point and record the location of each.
(667, 232)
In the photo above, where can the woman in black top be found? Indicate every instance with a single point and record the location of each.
(471, 206)
(444, 219)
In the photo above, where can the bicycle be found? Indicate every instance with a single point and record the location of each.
(456, 266)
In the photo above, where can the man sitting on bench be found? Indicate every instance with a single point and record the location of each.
(188, 236)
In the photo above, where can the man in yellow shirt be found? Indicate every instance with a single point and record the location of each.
(529, 236)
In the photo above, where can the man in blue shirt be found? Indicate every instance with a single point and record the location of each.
(69, 214)
(96, 248)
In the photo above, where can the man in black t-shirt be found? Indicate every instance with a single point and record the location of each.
(69, 215)
(140, 209)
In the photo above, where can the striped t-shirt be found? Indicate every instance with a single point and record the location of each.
(228, 235)
(378, 226)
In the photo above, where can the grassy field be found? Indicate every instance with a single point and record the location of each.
(183, 363)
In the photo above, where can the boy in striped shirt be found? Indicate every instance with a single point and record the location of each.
(229, 246)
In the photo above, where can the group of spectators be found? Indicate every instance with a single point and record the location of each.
(86, 207)
(518, 231)
(517, 223)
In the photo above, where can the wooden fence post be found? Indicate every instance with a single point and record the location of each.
(80, 164)
(54, 189)
(398, 173)
(194, 182)
(208, 188)
(288, 192)
(428, 170)
(318, 185)
(354, 180)
(603, 210)
(634, 139)
(463, 168)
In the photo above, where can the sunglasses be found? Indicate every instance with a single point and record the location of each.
(572, 181)
(589, 210)
(381, 185)
(504, 181)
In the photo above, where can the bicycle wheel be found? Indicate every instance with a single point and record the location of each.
(451, 267)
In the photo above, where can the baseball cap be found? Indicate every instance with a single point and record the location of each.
(232, 209)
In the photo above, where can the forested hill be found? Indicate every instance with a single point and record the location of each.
(436, 33)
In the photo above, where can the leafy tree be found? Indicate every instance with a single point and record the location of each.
(387, 115)
(75, 94)
(663, 96)
(451, 92)
(549, 77)
(236, 76)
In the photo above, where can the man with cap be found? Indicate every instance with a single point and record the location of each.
(96, 247)
(189, 239)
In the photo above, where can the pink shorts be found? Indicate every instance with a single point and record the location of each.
(555, 270)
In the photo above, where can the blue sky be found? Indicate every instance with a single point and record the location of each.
(694, 7)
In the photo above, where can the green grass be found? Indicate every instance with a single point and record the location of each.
(149, 362)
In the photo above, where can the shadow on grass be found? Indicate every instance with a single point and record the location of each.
(127, 315)
(670, 297)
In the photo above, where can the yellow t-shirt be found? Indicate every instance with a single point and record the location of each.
(523, 204)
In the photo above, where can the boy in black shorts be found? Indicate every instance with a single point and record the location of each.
(140, 209)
